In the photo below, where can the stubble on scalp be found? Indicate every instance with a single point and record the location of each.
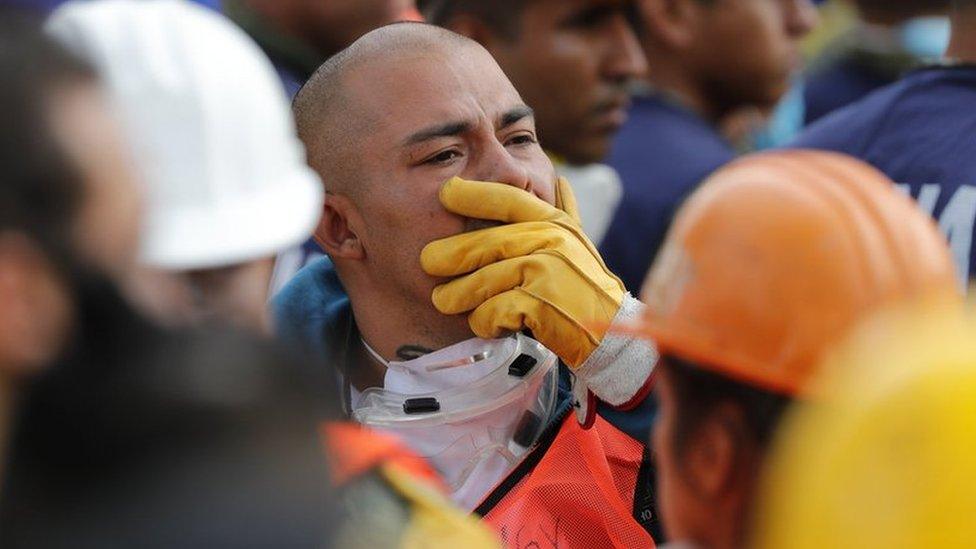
(331, 121)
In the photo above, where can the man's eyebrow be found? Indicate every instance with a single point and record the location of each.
(515, 114)
(444, 130)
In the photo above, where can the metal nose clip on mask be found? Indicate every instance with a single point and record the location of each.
(474, 409)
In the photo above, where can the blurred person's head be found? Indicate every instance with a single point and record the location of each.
(329, 26)
(884, 458)
(767, 266)
(69, 208)
(147, 439)
(228, 187)
(68, 202)
(386, 123)
(718, 56)
(571, 61)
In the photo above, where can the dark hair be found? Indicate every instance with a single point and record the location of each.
(898, 10)
(40, 189)
(147, 438)
(698, 392)
(501, 16)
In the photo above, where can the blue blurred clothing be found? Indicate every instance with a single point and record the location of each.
(920, 132)
(840, 84)
(662, 154)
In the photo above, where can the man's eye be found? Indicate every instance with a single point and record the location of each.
(523, 139)
(443, 157)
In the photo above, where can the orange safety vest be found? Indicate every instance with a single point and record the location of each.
(354, 451)
(578, 492)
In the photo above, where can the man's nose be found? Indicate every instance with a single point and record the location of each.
(499, 166)
(624, 58)
(801, 17)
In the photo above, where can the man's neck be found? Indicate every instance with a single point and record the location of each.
(962, 47)
(675, 82)
(398, 329)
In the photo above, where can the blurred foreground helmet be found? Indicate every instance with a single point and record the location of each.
(777, 255)
(886, 460)
(210, 125)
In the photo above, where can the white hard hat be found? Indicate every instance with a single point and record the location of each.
(210, 126)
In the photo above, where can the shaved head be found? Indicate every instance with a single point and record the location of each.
(329, 119)
(386, 122)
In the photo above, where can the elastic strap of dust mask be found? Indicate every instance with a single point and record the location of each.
(468, 404)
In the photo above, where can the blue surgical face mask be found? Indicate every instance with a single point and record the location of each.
(926, 37)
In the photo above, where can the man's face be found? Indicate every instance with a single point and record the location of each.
(424, 120)
(765, 35)
(673, 494)
(571, 61)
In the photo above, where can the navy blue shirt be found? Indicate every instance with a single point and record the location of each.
(839, 85)
(921, 132)
(662, 154)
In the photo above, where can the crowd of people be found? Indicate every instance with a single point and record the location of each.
(487, 273)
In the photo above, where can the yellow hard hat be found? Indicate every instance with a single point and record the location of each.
(888, 457)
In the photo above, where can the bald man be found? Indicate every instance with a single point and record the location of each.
(457, 272)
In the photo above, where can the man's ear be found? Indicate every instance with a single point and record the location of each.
(337, 232)
(37, 310)
(670, 23)
(712, 457)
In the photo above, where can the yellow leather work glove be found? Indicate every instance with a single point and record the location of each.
(539, 271)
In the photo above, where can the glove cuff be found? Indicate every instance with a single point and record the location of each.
(618, 371)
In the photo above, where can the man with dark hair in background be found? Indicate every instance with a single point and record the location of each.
(572, 61)
(298, 35)
(919, 132)
(707, 59)
(772, 262)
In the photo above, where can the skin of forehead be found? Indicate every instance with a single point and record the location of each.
(417, 78)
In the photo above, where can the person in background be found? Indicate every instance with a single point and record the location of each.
(572, 62)
(67, 184)
(887, 39)
(298, 35)
(918, 132)
(113, 431)
(458, 279)
(770, 263)
(143, 438)
(228, 187)
(707, 59)
(884, 458)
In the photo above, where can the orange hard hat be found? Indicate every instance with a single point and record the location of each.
(776, 256)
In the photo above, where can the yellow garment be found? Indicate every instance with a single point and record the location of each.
(434, 523)
(537, 272)
(888, 458)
